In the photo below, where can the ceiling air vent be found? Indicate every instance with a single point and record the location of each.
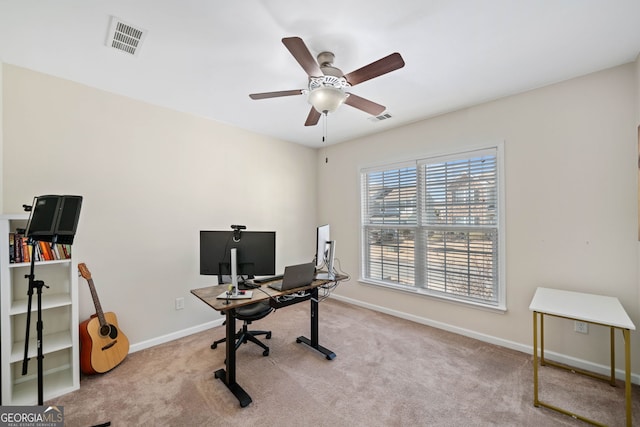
(380, 118)
(125, 37)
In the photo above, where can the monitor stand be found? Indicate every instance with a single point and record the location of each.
(234, 271)
(330, 275)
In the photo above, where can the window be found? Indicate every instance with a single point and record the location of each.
(433, 226)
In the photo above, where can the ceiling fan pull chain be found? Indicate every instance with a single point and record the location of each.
(324, 137)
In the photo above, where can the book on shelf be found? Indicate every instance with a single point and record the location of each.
(12, 247)
(45, 248)
(20, 251)
(66, 250)
(26, 256)
(15, 249)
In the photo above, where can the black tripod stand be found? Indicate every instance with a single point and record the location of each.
(37, 285)
(53, 219)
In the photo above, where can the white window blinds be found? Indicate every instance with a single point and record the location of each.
(433, 226)
(389, 201)
(460, 226)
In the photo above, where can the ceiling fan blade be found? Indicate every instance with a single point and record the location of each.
(300, 52)
(364, 105)
(265, 95)
(312, 118)
(375, 69)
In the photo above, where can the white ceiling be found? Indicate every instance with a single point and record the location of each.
(205, 56)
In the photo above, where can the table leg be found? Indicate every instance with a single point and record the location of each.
(627, 373)
(228, 377)
(542, 361)
(627, 350)
(313, 342)
(535, 359)
(613, 356)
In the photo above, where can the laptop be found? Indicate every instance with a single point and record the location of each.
(295, 276)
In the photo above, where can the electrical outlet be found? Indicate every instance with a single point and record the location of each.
(581, 327)
(179, 303)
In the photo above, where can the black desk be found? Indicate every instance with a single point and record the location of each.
(209, 296)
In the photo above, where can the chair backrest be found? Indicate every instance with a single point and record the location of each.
(253, 311)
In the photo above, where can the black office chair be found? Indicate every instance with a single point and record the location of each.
(249, 313)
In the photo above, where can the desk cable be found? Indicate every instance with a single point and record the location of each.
(283, 298)
(291, 297)
(330, 286)
(271, 297)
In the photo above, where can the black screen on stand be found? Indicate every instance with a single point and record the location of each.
(255, 253)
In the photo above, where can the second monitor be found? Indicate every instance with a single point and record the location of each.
(325, 251)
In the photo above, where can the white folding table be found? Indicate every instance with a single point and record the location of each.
(597, 309)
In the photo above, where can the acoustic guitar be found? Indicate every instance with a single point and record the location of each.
(102, 344)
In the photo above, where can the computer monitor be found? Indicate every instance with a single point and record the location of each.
(255, 253)
(325, 250)
(323, 237)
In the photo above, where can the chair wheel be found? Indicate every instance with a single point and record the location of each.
(268, 335)
(214, 346)
(265, 353)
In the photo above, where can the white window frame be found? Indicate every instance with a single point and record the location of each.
(419, 285)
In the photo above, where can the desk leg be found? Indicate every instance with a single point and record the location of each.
(228, 377)
(313, 342)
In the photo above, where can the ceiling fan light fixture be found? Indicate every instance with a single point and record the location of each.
(327, 99)
(327, 93)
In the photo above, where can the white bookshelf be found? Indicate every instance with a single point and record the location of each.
(61, 364)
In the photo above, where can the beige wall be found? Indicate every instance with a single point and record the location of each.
(1, 138)
(151, 179)
(637, 68)
(637, 81)
(571, 208)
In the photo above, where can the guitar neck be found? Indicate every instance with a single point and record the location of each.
(96, 302)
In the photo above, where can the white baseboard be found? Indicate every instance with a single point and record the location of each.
(174, 335)
(553, 356)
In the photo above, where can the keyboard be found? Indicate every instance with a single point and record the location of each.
(269, 279)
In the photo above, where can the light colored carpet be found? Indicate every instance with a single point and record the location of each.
(388, 372)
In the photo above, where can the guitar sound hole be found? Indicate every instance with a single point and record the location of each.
(109, 330)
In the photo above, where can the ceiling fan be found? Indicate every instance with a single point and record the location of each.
(328, 86)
